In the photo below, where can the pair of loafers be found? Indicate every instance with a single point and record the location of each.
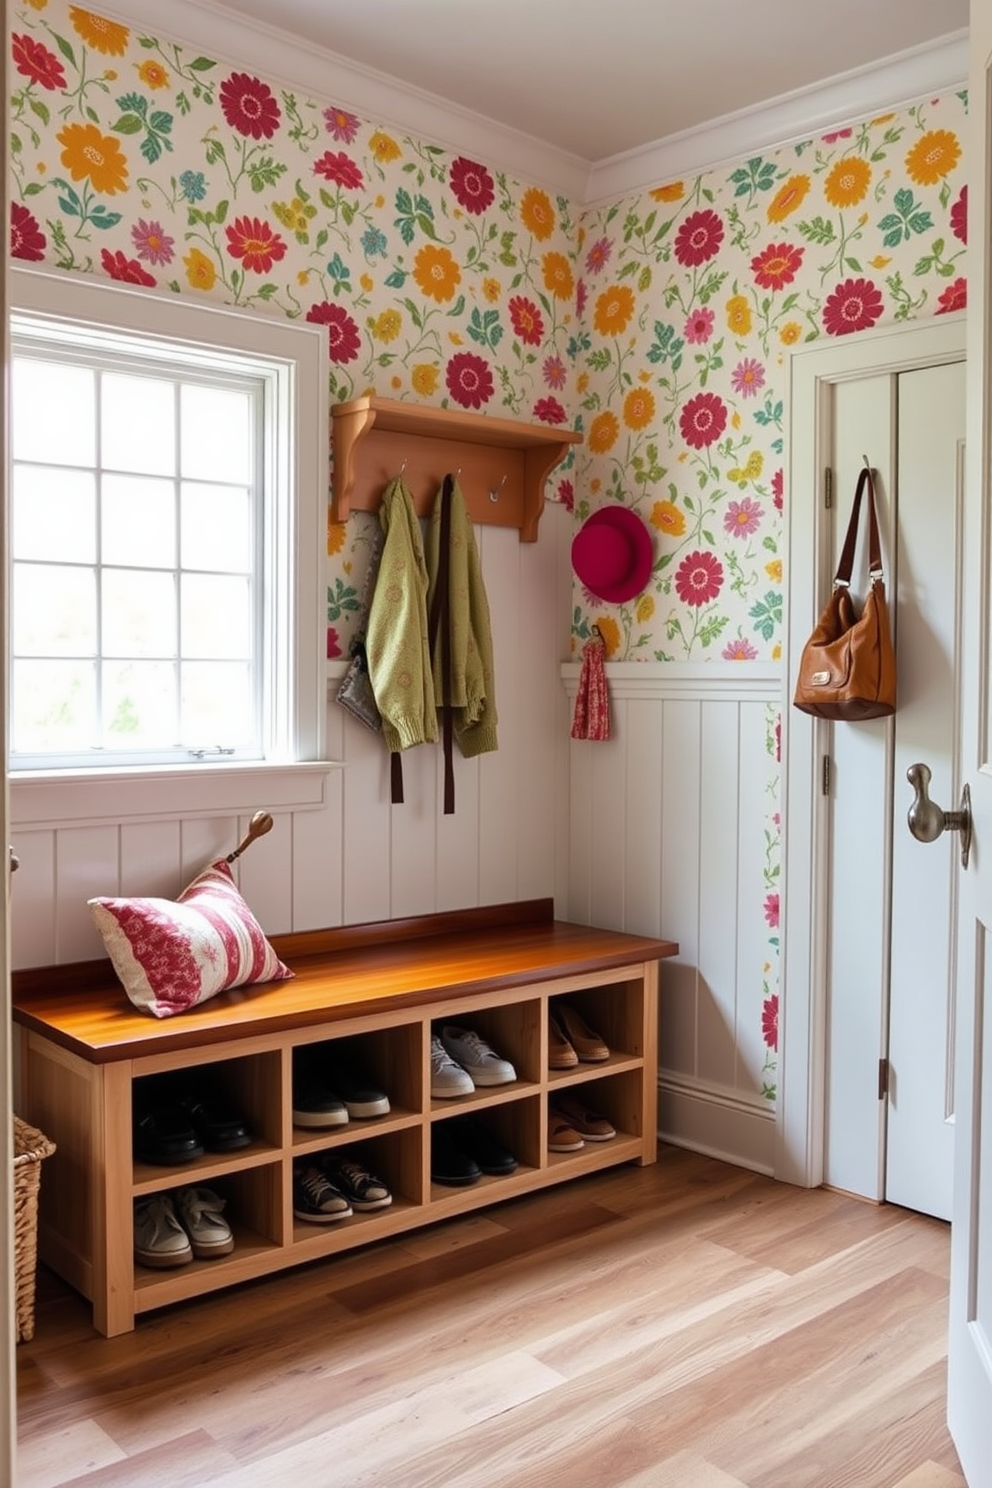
(461, 1151)
(572, 1123)
(571, 1040)
(179, 1127)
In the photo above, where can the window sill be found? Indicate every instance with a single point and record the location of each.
(49, 798)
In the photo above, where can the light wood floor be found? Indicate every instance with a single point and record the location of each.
(690, 1325)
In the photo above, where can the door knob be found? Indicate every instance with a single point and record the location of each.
(927, 820)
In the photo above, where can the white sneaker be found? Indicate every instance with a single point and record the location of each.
(447, 1078)
(201, 1213)
(159, 1238)
(476, 1057)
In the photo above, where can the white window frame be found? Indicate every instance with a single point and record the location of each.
(295, 357)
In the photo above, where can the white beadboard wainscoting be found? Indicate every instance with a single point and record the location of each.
(663, 830)
(673, 829)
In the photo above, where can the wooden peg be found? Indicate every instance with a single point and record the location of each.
(260, 823)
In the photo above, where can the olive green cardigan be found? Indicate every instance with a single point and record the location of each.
(396, 640)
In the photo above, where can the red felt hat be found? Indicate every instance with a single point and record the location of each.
(612, 554)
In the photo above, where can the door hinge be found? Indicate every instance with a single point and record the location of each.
(828, 488)
(825, 776)
(883, 1078)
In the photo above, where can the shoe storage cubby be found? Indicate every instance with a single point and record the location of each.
(512, 1028)
(246, 1086)
(252, 1209)
(616, 1012)
(389, 1058)
(364, 1003)
(395, 1157)
(614, 1096)
(516, 1126)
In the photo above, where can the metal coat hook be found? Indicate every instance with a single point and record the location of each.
(495, 490)
(259, 824)
(867, 466)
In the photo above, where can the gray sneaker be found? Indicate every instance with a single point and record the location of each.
(202, 1214)
(159, 1238)
(448, 1079)
(476, 1057)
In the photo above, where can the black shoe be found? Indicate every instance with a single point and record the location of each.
(164, 1135)
(362, 1189)
(362, 1099)
(218, 1126)
(314, 1103)
(492, 1157)
(450, 1163)
(315, 1199)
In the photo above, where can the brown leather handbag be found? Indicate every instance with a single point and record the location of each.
(848, 667)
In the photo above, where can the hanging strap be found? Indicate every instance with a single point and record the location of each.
(396, 778)
(439, 619)
(846, 565)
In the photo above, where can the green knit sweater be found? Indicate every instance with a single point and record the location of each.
(396, 640)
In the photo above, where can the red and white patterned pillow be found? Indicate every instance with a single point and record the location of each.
(172, 954)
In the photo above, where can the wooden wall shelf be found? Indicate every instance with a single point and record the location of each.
(502, 465)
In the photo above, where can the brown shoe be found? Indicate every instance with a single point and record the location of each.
(584, 1040)
(591, 1125)
(561, 1055)
(561, 1136)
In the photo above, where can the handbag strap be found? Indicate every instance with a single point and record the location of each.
(842, 578)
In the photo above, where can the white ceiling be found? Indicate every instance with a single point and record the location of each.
(597, 78)
(591, 98)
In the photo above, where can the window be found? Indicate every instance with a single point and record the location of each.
(168, 487)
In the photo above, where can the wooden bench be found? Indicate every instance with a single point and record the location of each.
(84, 1049)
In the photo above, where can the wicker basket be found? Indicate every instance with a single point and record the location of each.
(30, 1146)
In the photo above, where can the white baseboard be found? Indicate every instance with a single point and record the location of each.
(717, 1124)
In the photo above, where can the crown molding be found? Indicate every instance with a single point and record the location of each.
(385, 100)
(376, 96)
(895, 82)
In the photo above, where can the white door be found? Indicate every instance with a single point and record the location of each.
(845, 936)
(889, 900)
(969, 1392)
(919, 1145)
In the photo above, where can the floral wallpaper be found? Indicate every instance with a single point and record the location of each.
(437, 278)
(659, 324)
(690, 297)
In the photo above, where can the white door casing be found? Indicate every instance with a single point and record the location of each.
(969, 1388)
(816, 376)
(888, 898)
